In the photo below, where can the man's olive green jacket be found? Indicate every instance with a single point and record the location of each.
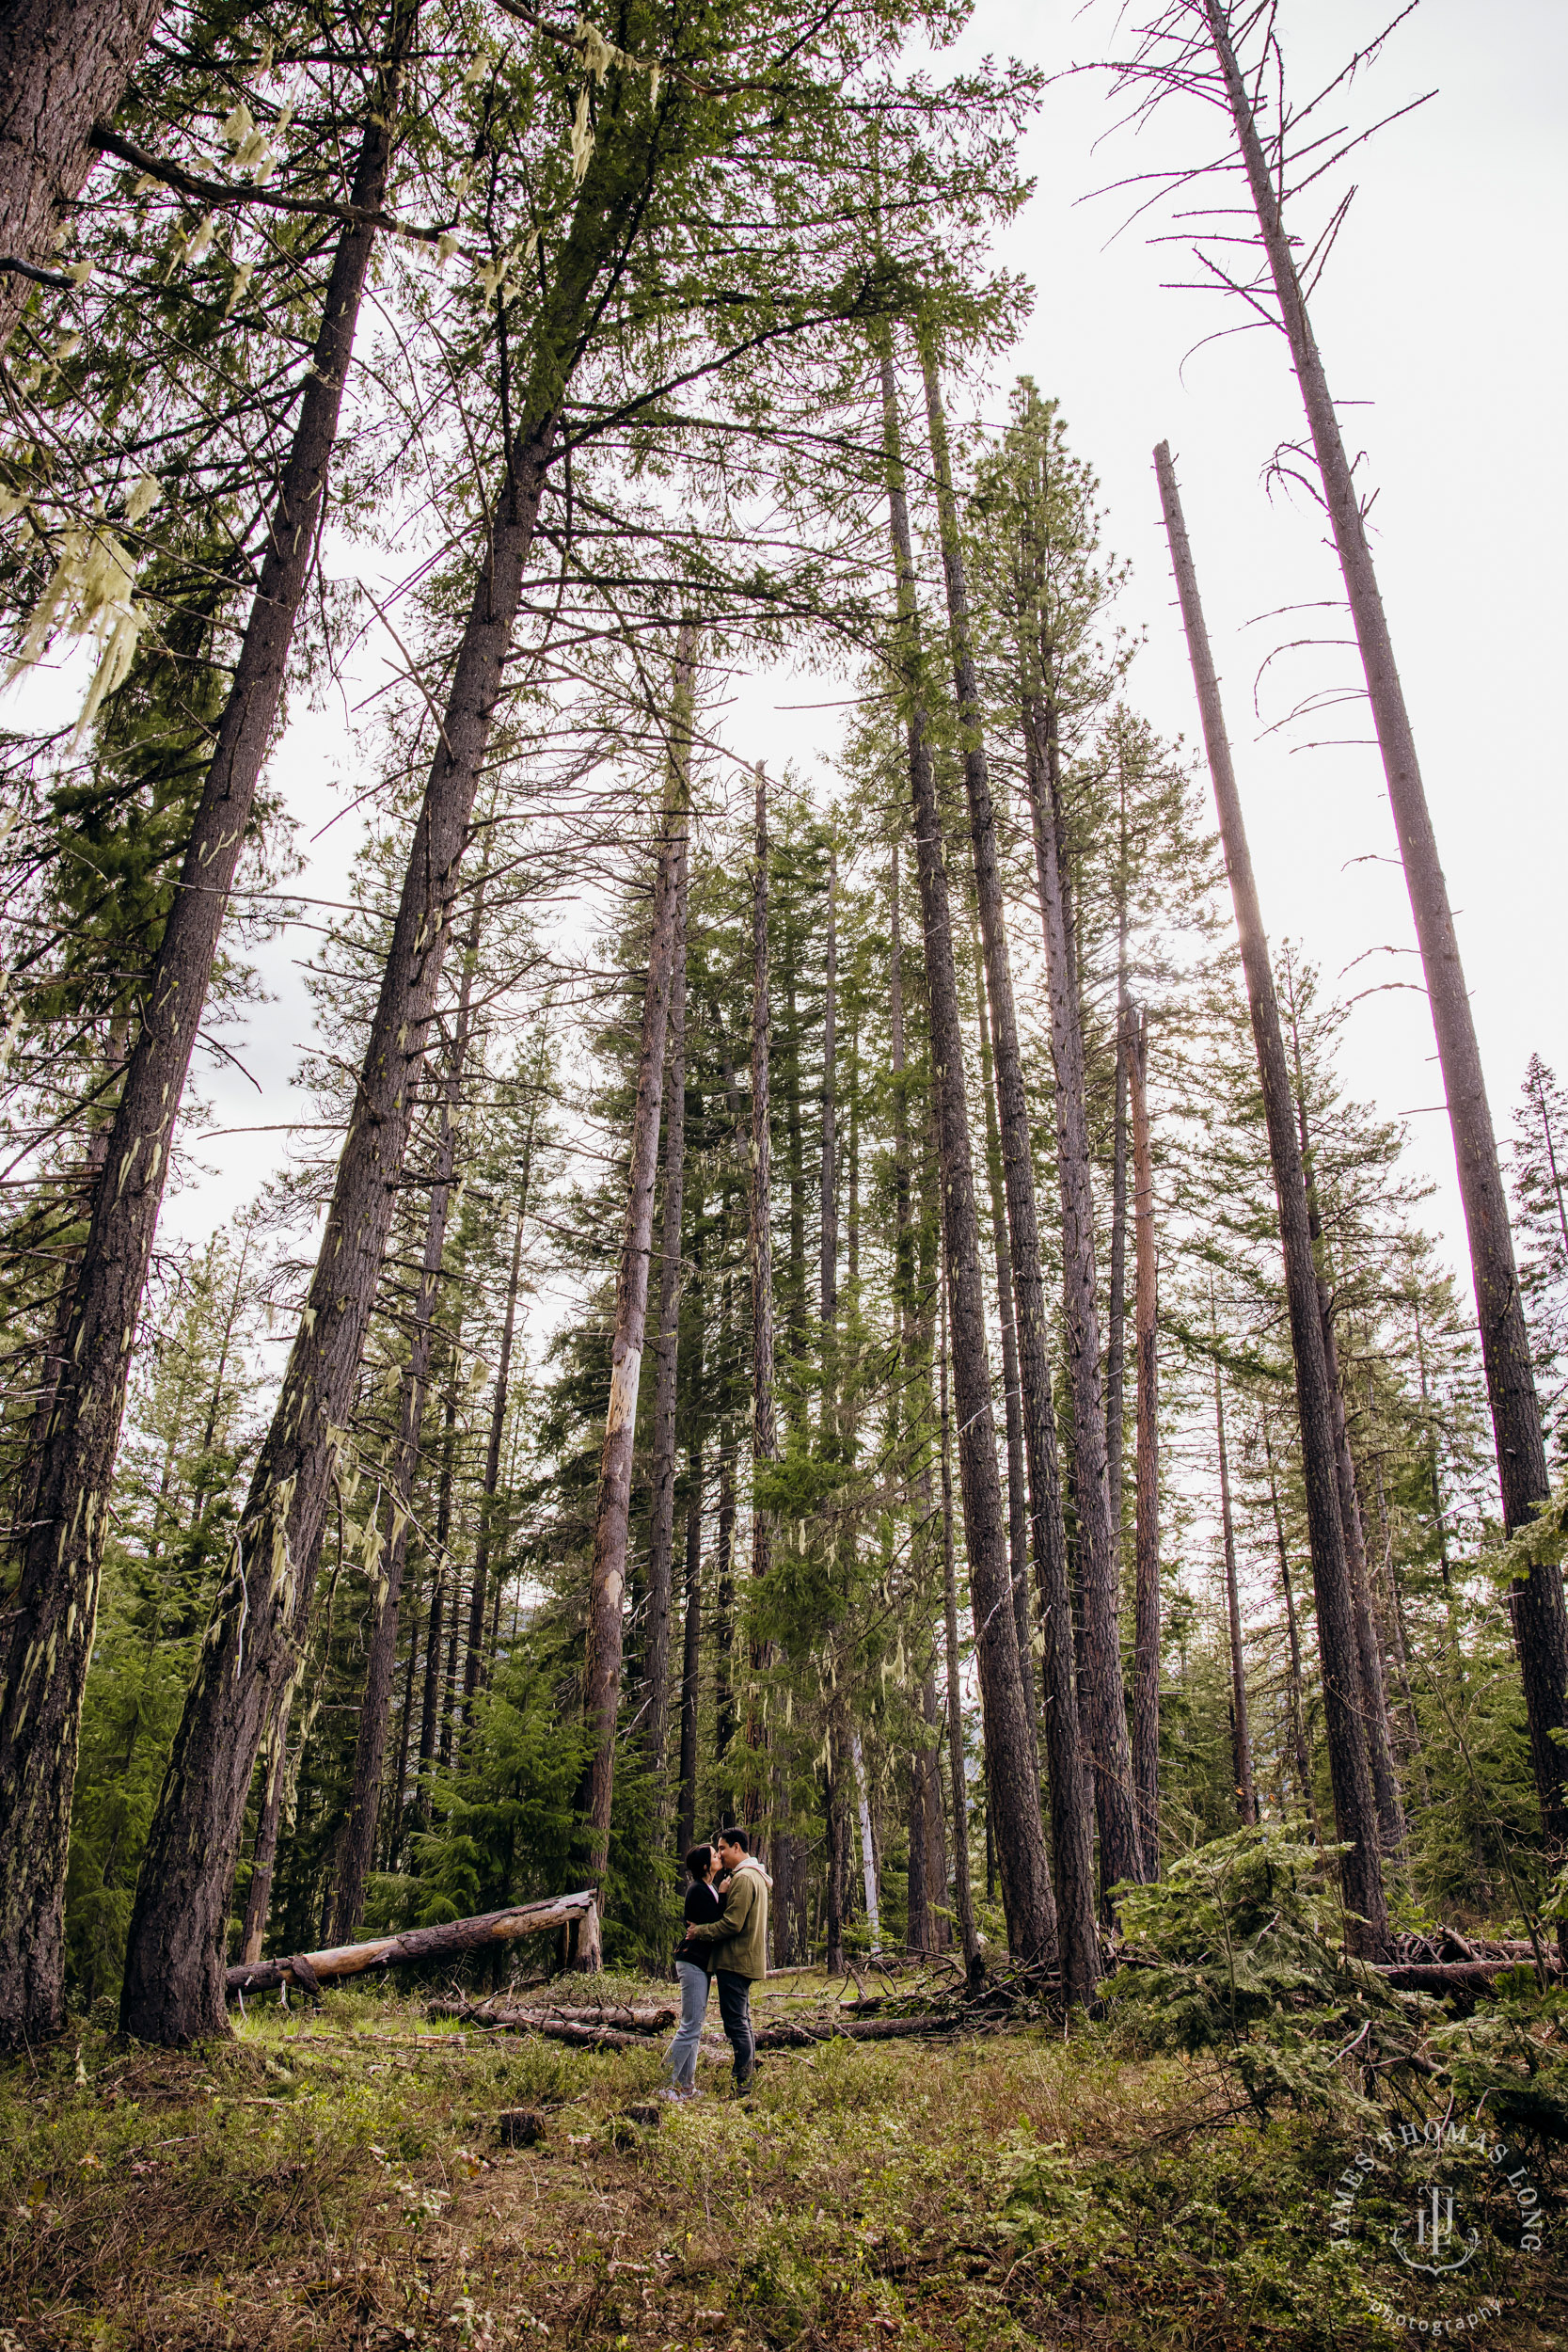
(740, 1934)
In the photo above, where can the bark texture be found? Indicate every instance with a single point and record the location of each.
(54, 1601)
(1540, 1616)
(1354, 1806)
(64, 65)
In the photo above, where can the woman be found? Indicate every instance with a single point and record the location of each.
(691, 1971)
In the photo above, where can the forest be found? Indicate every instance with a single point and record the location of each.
(853, 1297)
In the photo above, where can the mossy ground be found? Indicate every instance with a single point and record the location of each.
(317, 2182)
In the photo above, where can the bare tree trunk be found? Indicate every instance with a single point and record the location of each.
(829, 1229)
(1240, 1727)
(358, 1840)
(868, 1856)
(1069, 1792)
(445, 1723)
(917, 1904)
(1298, 1688)
(964, 1899)
(1146, 1635)
(662, 1517)
(1018, 1497)
(173, 1989)
(764, 1428)
(1027, 1897)
(1116, 1312)
(1540, 1616)
(835, 1810)
(691, 1641)
(1100, 1696)
(473, 1662)
(263, 1860)
(725, 1717)
(605, 1601)
(64, 65)
(55, 1601)
(1355, 1805)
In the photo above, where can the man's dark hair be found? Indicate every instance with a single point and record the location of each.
(736, 1838)
(697, 1862)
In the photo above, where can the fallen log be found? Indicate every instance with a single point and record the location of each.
(630, 2017)
(577, 1912)
(1469, 1976)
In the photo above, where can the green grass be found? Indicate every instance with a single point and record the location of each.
(310, 2185)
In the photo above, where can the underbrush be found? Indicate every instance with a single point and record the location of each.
(324, 2180)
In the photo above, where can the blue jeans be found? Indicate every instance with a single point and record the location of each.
(681, 2058)
(734, 2008)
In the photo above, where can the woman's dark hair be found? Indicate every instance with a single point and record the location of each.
(697, 1862)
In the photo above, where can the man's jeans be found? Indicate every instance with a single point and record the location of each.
(681, 2060)
(734, 2008)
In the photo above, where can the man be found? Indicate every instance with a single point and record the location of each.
(739, 1938)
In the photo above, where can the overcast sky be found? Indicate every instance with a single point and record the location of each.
(1442, 312)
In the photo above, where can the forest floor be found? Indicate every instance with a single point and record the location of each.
(324, 2181)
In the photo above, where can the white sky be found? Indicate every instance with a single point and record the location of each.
(1442, 309)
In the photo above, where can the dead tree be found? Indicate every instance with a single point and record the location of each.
(1355, 1805)
(1540, 1614)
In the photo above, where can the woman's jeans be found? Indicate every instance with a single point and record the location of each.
(681, 2060)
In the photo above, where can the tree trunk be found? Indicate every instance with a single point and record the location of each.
(1240, 1727)
(827, 1232)
(917, 1904)
(764, 1428)
(725, 1720)
(1354, 1806)
(1145, 1541)
(64, 65)
(868, 1858)
(1069, 1792)
(263, 1860)
(1018, 1498)
(1027, 1897)
(1115, 1311)
(661, 1528)
(473, 1664)
(54, 1605)
(443, 1531)
(1298, 1698)
(1102, 1699)
(602, 1669)
(358, 1841)
(173, 1989)
(964, 1899)
(692, 1641)
(1540, 1616)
